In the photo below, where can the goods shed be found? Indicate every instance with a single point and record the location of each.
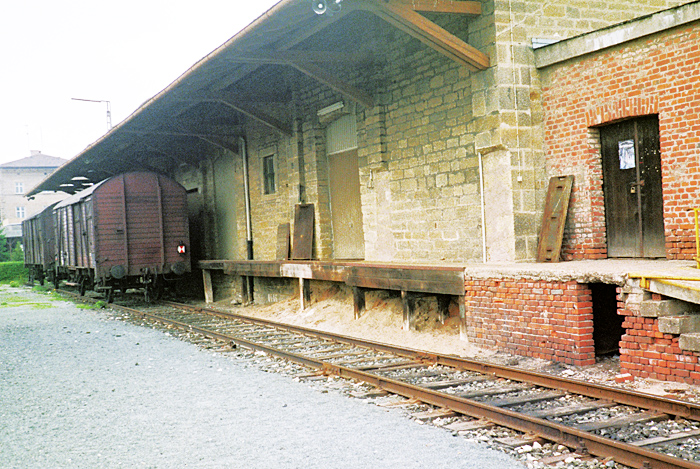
(402, 145)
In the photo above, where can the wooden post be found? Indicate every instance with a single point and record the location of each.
(461, 300)
(443, 302)
(208, 290)
(358, 299)
(304, 293)
(245, 296)
(408, 300)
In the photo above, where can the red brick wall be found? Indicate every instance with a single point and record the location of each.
(647, 353)
(534, 318)
(659, 74)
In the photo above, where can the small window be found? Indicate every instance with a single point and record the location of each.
(269, 174)
(19, 212)
(19, 188)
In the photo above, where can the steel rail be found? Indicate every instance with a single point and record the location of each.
(623, 453)
(665, 405)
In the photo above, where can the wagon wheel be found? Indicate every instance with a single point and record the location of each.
(109, 293)
(154, 290)
(159, 288)
(83, 285)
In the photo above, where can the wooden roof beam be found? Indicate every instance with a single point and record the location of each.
(445, 6)
(286, 56)
(169, 151)
(335, 83)
(401, 15)
(221, 98)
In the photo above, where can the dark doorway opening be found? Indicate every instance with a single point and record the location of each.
(607, 324)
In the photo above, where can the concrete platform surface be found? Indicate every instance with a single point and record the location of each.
(614, 271)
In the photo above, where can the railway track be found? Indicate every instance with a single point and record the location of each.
(635, 429)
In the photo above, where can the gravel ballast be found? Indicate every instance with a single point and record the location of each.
(79, 389)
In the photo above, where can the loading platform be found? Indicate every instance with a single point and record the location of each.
(675, 279)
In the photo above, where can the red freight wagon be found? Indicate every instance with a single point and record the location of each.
(128, 231)
(39, 245)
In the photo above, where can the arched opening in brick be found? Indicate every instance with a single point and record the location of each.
(607, 324)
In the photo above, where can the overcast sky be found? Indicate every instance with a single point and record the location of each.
(124, 52)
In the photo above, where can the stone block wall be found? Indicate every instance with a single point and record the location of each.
(418, 146)
(268, 210)
(431, 180)
(658, 74)
(552, 320)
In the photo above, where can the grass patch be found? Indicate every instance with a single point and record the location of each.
(14, 301)
(98, 305)
(13, 273)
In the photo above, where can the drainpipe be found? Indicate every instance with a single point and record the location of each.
(248, 219)
(483, 208)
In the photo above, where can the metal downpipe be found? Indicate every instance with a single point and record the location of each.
(248, 218)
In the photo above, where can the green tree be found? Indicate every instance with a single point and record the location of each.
(17, 254)
(4, 250)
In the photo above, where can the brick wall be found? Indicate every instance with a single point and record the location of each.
(660, 75)
(510, 92)
(645, 352)
(535, 318)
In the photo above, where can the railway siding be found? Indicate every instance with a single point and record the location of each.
(663, 445)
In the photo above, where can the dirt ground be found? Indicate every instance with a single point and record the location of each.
(331, 310)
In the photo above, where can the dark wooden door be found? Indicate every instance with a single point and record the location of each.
(632, 188)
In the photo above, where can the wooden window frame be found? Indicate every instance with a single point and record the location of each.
(269, 175)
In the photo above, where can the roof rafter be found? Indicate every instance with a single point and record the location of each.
(342, 87)
(287, 56)
(445, 6)
(173, 133)
(168, 151)
(402, 16)
(224, 99)
(302, 34)
(217, 140)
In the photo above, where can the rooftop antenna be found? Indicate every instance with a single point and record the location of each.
(109, 109)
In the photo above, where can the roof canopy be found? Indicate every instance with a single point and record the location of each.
(252, 77)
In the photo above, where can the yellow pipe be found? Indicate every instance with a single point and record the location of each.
(664, 277)
(697, 240)
(644, 280)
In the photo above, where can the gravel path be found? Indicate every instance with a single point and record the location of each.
(78, 389)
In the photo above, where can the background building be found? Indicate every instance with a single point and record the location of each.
(17, 178)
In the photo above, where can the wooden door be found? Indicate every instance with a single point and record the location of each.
(632, 188)
(346, 206)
